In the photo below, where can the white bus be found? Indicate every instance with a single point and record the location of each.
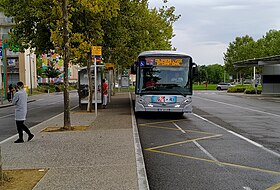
(164, 82)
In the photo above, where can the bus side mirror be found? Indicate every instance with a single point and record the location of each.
(194, 70)
(133, 68)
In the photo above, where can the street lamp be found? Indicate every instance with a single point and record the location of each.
(30, 72)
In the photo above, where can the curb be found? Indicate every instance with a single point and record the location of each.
(140, 164)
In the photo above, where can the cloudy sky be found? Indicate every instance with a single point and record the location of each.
(206, 27)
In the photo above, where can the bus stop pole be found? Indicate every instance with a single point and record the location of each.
(95, 87)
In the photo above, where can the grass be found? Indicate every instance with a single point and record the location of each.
(22, 179)
(203, 87)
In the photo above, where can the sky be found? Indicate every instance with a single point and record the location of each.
(206, 27)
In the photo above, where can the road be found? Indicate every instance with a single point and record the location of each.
(44, 107)
(229, 142)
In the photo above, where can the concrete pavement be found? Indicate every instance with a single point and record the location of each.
(107, 155)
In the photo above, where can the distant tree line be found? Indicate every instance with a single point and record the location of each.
(214, 73)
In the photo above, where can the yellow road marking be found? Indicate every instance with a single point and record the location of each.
(181, 142)
(274, 187)
(176, 129)
(218, 162)
(169, 121)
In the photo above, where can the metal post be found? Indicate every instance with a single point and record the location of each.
(254, 73)
(30, 73)
(4, 58)
(95, 87)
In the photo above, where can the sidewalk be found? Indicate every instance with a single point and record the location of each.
(108, 155)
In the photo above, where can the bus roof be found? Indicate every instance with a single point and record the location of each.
(162, 52)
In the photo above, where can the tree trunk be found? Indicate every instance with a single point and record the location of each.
(90, 86)
(66, 60)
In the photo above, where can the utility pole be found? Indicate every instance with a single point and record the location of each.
(4, 61)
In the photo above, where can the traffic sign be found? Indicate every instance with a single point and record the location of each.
(96, 51)
(109, 66)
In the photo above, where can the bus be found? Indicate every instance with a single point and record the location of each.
(164, 81)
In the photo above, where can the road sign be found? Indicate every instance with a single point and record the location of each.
(96, 51)
(109, 66)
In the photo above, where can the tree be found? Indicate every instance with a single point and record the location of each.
(215, 73)
(136, 28)
(239, 50)
(269, 44)
(88, 16)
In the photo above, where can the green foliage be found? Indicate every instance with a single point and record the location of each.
(211, 73)
(236, 89)
(204, 87)
(251, 90)
(247, 89)
(244, 48)
(136, 29)
(124, 28)
(238, 50)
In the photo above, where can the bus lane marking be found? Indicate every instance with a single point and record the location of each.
(199, 146)
(160, 122)
(182, 142)
(240, 136)
(216, 162)
(254, 110)
(274, 187)
(174, 129)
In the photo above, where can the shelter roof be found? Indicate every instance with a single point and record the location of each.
(271, 60)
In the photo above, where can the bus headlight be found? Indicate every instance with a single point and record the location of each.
(177, 106)
(187, 100)
(150, 105)
(141, 101)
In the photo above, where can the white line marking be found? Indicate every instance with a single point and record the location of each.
(199, 146)
(37, 125)
(207, 153)
(246, 139)
(179, 127)
(263, 112)
(240, 136)
(7, 115)
(247, 188)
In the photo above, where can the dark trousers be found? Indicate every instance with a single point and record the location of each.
(20, 128)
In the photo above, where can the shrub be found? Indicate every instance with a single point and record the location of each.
(251, 90)
(236, 89)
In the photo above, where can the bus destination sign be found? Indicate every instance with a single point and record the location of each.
(164, 61)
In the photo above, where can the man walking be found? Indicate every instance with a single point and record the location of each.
(20, 101)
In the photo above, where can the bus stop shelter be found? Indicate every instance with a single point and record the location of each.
(270, 72)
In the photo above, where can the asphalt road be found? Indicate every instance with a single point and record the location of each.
(229, 142)
(44, 107)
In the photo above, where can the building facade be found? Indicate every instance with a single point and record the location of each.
(17, 66)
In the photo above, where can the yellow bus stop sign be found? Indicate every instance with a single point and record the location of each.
(96, 51)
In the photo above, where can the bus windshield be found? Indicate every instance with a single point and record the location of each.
(164, 75)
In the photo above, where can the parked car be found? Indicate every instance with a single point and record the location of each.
(223, 86)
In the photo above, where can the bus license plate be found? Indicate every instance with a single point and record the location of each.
(156, 99)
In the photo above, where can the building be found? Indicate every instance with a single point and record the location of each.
(270, 72)
(20, 66)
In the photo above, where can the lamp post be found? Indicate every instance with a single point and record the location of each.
(30, 72)
(4, 61)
